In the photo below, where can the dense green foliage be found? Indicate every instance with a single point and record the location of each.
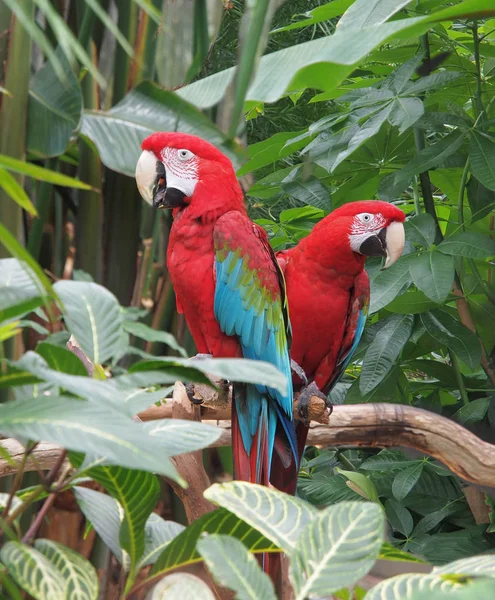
(351, 100)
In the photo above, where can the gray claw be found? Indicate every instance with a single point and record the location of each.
(299, 371)
(191, 394)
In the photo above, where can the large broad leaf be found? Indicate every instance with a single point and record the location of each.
(421, 230)
(144, 332)
(387, 284)
(336, 549)
(406, 480)
(399, 517)
(93, 316)
(33, 571)
(482, 157)
(447, 330)
(60, 359)
(137, 493)
(19, 289)
(178, 436)
(472, 590)
(469, 244)
(181, 586)
(79, 575)
(232, 566)
(411, 303)
(482, 565)
(384, 351)
(318, 15)
(433, 274)
(118, 133)
(182, 550)
(54, 110)
(408, 585)
(86, 427)
(364, 13)
(105, 514)
(232, 369)
(277, 516)
(294, 68)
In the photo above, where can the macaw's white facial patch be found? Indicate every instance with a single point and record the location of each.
(181, 167)
(364, 225)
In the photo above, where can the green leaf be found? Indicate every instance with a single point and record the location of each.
(79, 575)
(32, 571)
(482, 158)
(159, 534)
(278, 516)
(336, 549)
(362, 484)
(105, 515)
(473, 412)
(182, 550)
(232, 566)
(387, 284)
(386, 460)
(311, 191)
(19, 252)
(60, 359)
(406, 586)
(384, 351)
(421, 230)
(137, 493)
(20, 289)
(482, 565)
(364, 13)
(232, 369)
(271, 150)
(336, 56)
(405, 480)
(16, 192)
(179, 436)
(144, 332)
(470, 244)
(318, 15)
(405, 112)
(85, 427)
(430, 521)
(54, 110)
(118, 133)
(450, 332)
(399, 517)
(93, 316)
(181, 586)
(411, 303)
(433, 273)
(40, 173)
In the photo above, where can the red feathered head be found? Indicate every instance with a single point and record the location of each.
(368, 227)
(174, 168)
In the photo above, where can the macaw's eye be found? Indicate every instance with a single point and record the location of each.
(185, 154)
(365, 217)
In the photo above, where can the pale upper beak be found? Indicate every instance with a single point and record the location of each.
(394, 243)
(146, 175)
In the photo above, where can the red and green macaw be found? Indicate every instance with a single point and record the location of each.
(328, 293)
(228, 285)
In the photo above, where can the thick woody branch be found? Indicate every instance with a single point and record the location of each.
(361, 425)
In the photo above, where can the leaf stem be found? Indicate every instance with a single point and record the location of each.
(458, 376)
(462, 189)
(345, 461)
(478, 100)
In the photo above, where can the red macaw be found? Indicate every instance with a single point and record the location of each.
(228, 285)
(328, 293)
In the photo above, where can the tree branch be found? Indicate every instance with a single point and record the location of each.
(362, 425)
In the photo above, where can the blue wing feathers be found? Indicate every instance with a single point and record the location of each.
(241, 308)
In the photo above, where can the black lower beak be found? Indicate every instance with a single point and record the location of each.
(375, 245)
(168, 198)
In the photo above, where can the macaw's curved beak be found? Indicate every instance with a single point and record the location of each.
(151, 181)
(389, 242)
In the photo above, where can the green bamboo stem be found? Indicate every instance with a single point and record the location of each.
(43, 206)
(251, 49)
(13, 115)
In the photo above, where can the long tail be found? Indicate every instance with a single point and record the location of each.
(284, 477)
(259, 427)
